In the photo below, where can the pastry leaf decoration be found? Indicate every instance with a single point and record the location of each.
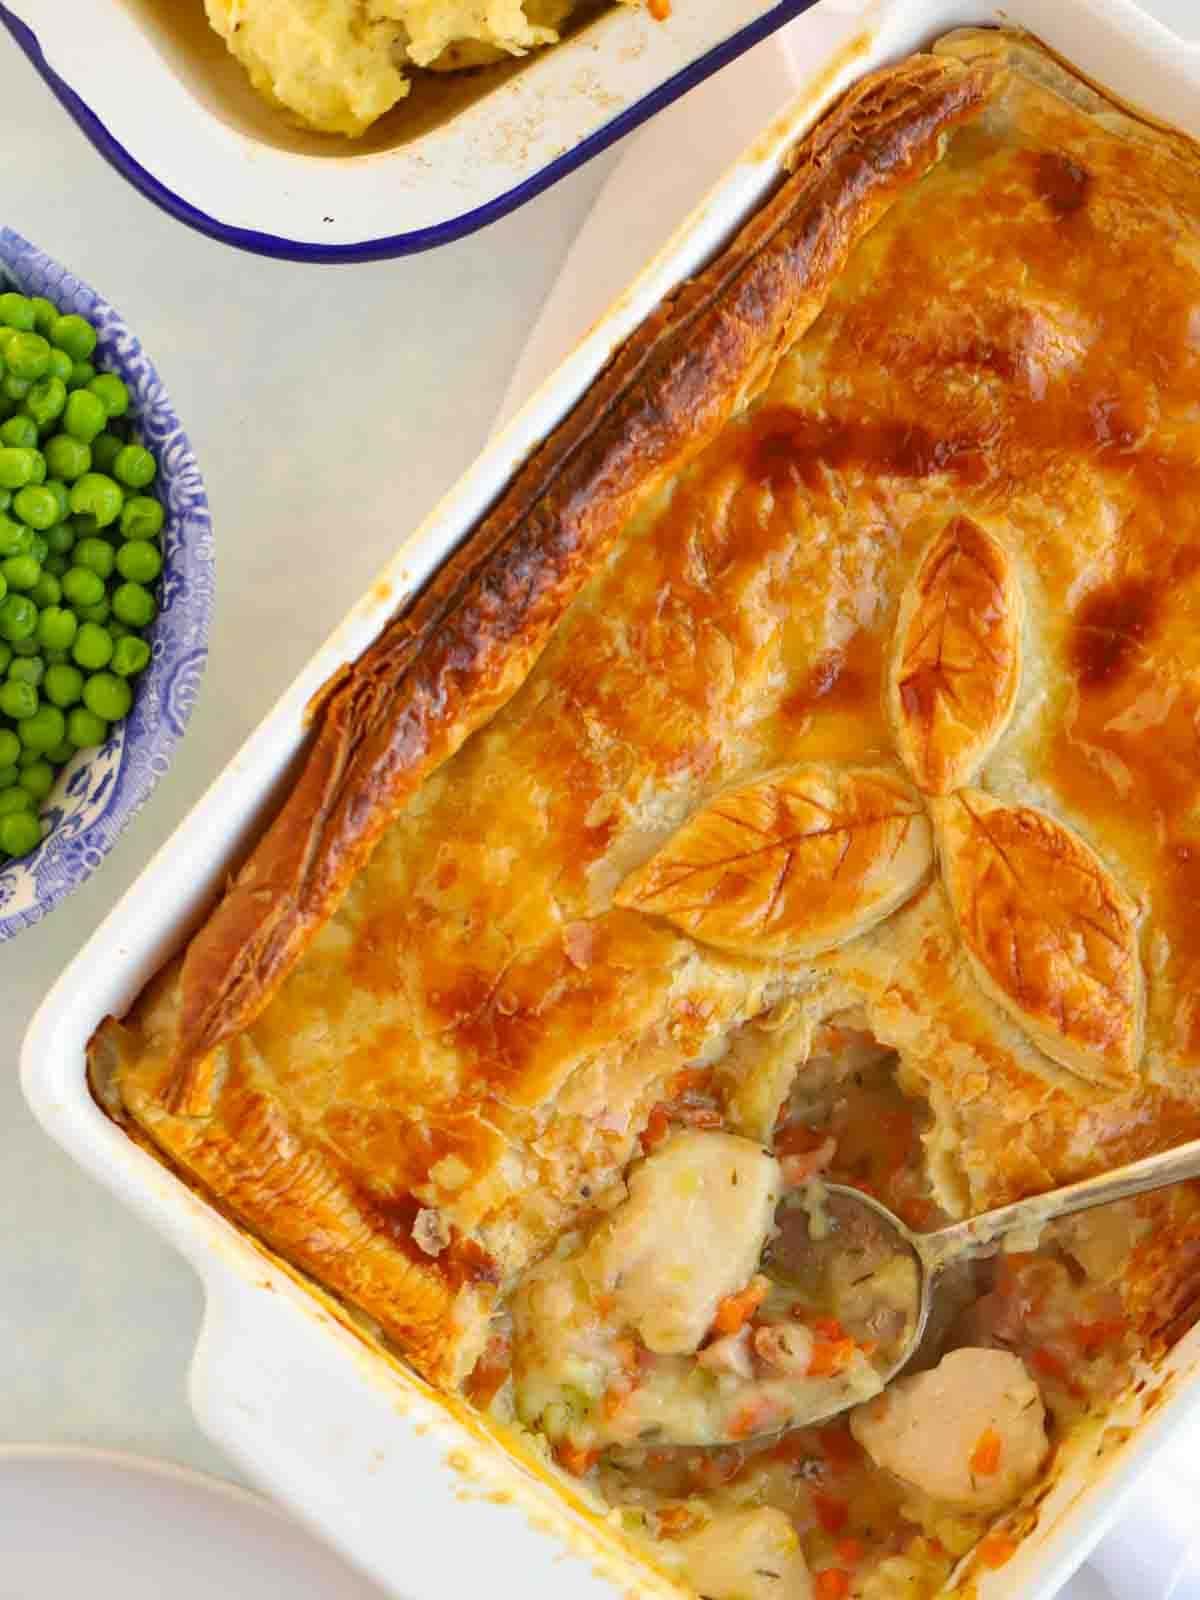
(1051, 937)
(956, 658)
(791, 865)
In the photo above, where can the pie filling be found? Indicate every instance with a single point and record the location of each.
(665, 1353)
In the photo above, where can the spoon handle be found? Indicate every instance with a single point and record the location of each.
(976, 1234)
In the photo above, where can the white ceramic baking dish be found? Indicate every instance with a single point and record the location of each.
(401, 1480)
(197, 142)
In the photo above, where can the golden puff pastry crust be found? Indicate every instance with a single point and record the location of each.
(897, 501)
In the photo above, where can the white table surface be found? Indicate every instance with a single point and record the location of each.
(329, 408)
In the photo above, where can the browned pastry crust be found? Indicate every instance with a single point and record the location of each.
(469, 640)
(894, 498)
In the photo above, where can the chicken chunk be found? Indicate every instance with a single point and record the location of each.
(690, 1233)
(972, 1432)
(746, 1555)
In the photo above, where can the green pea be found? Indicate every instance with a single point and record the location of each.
(134, 605)
(16, 539)
(27, 669)
(111, 393)
(61, 754)
(84, 416)
(45, 728)
(27, 646)
(9, 776)
(139, 561)
(45, 313)
(16, 311)
(10, 748)
(55, 566)
(18, 618)
(28, 356)
(60, 366)
(6, 655)
(135, 466)
(15, 799)
(39, 467)
(118, 630)
(21, 832)
(67, 458)
(131, 656)
(97, 555)
(95, 495)
(21, 572)
(93, 648)
(56, 628)
(6, 496)
(46, 401)
(81, 587)
(106, 447)
(62, 685)
(18, 466)
(101, 612)
(74, 334)
(84, 526)
(85, 728)
(141, 517)
(47, 591)
(19, 431)
(60, 539)
(38, 778)
(107, 696)
(82, 373)
(37, 506)
(18, 700)
(14, 388)
(3, 585)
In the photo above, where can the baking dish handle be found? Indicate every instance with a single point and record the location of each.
(373, 1460)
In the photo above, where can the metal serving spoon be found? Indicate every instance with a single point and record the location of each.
(854, 1221)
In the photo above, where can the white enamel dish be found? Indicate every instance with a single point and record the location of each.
(398, 1478)
(147, 103)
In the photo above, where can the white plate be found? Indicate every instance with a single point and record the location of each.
(91, 1523)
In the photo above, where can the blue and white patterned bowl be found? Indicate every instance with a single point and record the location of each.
(102, 790)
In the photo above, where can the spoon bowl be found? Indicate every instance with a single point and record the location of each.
(828, 1234)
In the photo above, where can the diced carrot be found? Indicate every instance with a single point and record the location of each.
(658, 1126)
(831, 1514)
(660, 10)
(1091, 1337)
(831, 1584)
(490, 1371)
(573, 1459)
(753, 1417)
(829, 1357)
(615, 1396)
(850, 1551)
(674, 1520)
(996, 1549)
(985, 1458)
(1051, 1365)
(797, 1139)
(828, 1328)
(839, 1447)
(691, 1080)
(735, 1311)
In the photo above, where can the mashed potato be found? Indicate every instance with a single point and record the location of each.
(337, 65)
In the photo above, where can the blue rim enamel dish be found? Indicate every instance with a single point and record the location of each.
(102, 790)
(321, 202)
